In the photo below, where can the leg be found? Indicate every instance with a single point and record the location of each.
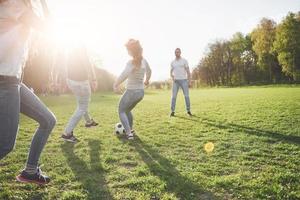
(32, 107)
(87, 88)
(185, 89)
(130, 119)
(123, 109)
(81, 110)
(87, 117)
(136, 98)
(174, 95)
(127, 103)
(82, 98)
(9, 116)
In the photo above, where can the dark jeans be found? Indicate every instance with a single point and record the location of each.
(15, 97)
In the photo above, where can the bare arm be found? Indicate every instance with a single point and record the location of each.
(30, 19)
(123, 76)
(187, 69)
(148, 74)
(171, 72)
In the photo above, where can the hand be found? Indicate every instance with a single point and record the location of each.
(190, 84)
(94, 85)
(146, 82)
(172, 76)
(53, 87)
(117, 89)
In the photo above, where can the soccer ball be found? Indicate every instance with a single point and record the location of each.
(119, 129)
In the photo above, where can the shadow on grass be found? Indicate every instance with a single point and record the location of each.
(92, 179)
(292, 139)
(180, 186)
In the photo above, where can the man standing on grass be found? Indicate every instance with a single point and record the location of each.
(181, 76)
(17, 18)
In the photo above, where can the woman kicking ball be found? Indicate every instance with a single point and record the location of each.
(134, 73)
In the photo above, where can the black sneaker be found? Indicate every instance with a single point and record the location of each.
(189, 113)
(92, 123)
(37, 178)
(172, 114)
(69, 138)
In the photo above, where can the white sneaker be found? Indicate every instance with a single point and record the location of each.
(130, 136)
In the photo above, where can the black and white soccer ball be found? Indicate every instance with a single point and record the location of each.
(119, 128)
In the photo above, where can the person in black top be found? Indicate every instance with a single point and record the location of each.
(80, 72)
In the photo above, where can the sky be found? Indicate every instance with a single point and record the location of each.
(160, 25)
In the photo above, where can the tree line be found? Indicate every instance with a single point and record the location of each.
(268, 54)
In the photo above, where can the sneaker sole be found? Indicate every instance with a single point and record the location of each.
(68, 140)
(23, 180)
(90, 126)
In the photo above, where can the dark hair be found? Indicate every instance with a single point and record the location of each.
(177, 49)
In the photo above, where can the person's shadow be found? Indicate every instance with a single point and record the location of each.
(292, 139)
(92, 179)
(181, 186)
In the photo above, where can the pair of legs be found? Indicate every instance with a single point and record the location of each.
(82, 92)
(128, 101)
(16, 98)
(184, 85)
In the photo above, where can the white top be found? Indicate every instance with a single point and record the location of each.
(14, 37)
(179, 68)
(135, 78)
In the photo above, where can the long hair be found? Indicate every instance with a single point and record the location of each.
(135, 49)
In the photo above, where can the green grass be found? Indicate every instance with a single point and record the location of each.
(255, 130)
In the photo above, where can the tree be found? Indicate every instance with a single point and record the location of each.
(263, 37)
(238, 47)
(287, 45)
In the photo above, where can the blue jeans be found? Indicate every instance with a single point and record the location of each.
(82, 91)
(184, 85)
(128, 101)
(16, 98)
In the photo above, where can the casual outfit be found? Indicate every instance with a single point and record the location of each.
(134, 92)
(179, 69)
(15, 97)
(78, 83)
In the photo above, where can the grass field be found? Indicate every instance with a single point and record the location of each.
(255, 130)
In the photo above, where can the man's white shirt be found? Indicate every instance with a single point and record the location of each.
(179, 68)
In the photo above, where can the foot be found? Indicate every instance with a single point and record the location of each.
(37, 178)
(189, 113)
(130, 136)
(91, 123)
(69, 138)
(172, 114)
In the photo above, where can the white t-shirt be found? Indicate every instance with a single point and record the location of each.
(14, 37)
(179, 67)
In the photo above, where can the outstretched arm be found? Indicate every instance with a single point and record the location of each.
(123, 76)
